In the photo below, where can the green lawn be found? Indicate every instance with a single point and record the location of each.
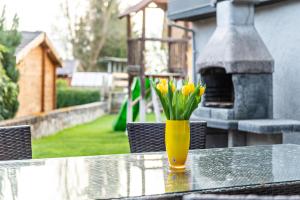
(94, 138)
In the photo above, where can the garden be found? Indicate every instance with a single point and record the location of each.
(93, 138)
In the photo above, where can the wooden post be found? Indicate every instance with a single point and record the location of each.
(186, 34)
(129, 101)
(128, 27)
(129, 116)
(169, 48)
(142, 72)
(155, 105)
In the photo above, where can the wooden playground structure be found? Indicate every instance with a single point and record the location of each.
(176, 60)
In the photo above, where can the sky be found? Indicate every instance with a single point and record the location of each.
(40, 14)
(45, 15)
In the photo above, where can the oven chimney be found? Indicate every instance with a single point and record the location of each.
(236, 66)
(235, 45)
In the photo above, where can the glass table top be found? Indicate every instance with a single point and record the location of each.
(115, 176)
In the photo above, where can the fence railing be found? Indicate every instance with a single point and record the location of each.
(176, 50)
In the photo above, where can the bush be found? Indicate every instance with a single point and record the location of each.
(61, 83)
(10, 39)
(72, 96)
(8, 96)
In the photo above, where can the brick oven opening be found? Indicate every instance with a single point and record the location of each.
(219, 88)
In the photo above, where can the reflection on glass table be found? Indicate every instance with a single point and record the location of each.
(132, 175)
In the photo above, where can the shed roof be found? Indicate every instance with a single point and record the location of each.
(68, 69)
(199, 9)
(142, 4)
(30, 40)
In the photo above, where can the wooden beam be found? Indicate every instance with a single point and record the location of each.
(54, 88)
(144, 24)
(165, 75)
(166, 40)
(44, 54)
(128, 27)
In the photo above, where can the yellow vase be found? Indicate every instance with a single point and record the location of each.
(177, 181)
(177, 139)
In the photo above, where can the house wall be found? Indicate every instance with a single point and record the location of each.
(30, 83)
(278, 25)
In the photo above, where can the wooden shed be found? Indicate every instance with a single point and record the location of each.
(37, 61)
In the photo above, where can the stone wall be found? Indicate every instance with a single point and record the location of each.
(49, 123)
(116, 100)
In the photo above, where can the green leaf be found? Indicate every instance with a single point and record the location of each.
(190, 104)
(170, 98)
(162, 100)
(175, 105)
(195, 106)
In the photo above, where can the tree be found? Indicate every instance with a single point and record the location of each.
(9, 75)
(8, 93)
(97, 33)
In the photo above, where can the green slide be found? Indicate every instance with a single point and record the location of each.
(120, 123)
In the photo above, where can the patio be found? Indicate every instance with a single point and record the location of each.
(222, 122)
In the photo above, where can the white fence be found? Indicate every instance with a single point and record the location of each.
(91, 79)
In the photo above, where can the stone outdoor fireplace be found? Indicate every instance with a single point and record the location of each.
(219, 88)
(237, 69)
(236, 66)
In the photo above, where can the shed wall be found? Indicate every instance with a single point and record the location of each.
(30, 83)
(30, 94)
(49, 85)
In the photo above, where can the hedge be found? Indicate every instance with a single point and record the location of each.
(73, 96)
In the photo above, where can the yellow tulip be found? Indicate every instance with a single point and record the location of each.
(191, 87)
(162, 88)
(185, 90)
(163, 81)
(202, 90)
(173, 88)
(188, 89)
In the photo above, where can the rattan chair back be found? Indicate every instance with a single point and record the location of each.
(150, 137)
(15, 143)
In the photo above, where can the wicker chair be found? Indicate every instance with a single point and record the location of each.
(15, 143)
(150, 137)
(238, 197)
